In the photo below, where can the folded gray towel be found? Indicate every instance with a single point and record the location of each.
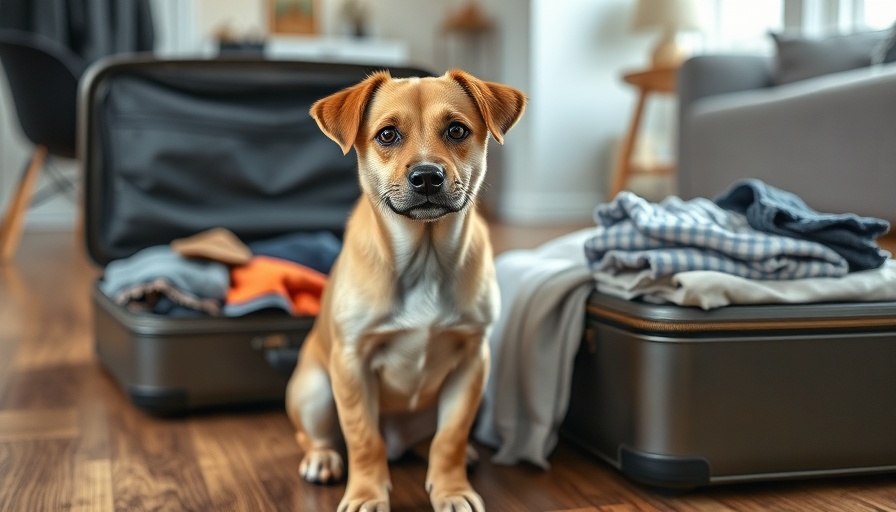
(152, 279)
(773, 210)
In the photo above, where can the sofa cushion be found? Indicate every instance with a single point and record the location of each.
(886, 49)
(800, 58)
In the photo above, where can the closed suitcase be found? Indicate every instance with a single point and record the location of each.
(173, 148)
(680, 397)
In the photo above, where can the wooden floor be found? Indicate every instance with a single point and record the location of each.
(69, 440)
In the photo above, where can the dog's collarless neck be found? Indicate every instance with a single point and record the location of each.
(416, 245)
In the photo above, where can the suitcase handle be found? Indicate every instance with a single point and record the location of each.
(281, 351)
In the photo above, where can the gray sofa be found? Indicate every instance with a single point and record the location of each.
(830, 139)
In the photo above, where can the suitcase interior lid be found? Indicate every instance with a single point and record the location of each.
(170, 148)
(669, 319)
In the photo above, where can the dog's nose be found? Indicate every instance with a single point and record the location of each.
(426, 179)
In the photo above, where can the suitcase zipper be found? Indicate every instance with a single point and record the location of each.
(743, 325)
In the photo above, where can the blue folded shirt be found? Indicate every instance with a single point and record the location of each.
(317, 250)
(772, 210)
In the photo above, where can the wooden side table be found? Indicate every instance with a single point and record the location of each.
(657, 80)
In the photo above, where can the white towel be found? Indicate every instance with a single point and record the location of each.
(709, 289)
(533, 344)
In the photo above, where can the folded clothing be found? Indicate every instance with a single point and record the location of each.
(317, 250)
(772, 210)
(676, 236)
(709, 290)
(216, 244)
(158, 280)
(273, 283)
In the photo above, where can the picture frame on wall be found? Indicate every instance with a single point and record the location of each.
(293, 17)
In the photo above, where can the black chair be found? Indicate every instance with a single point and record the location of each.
(43, 81)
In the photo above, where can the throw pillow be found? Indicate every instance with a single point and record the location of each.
(800, 58)
(886, 49)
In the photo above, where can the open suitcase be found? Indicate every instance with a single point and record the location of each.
(680, 397)
(172, 148)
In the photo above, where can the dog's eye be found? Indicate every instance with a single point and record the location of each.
(457, 131)
(387, 136)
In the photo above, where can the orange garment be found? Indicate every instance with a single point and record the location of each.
(291, 286)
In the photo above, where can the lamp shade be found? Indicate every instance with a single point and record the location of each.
(670, 15)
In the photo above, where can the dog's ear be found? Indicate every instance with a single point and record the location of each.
(500, 105)
(339, 115)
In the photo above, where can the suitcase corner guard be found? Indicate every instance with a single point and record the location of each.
(159, 401)
(664, 471)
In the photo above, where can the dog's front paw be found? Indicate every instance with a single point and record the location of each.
(364, 499)
(322, 466)
(463, 499)
(467, 501)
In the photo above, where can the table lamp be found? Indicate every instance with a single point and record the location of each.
(671, 16)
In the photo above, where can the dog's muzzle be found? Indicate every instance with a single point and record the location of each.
(426, 197)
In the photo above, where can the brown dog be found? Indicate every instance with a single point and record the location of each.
(412, 297)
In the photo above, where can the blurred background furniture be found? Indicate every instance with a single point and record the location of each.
(656, 80)
(90, 29)
(43, 80)
(828, 138)
(45, 46)
(670, 17)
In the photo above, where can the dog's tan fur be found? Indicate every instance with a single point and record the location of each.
(412, 297)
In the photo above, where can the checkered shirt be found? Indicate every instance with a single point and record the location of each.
(676, 236)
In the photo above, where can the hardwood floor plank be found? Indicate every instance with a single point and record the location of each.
(47, 388)
(29, 425)
(12, 307)
(7, 480)
(56, 330)
(624, 507)
(98, 401)
(154, 464)
(531, 488)
(37, 475)
(275, 459)
(93, 487)
(612, 492)
(230, 469)
(51, 345)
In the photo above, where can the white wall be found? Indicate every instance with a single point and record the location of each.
(578, 109)
(240, 16)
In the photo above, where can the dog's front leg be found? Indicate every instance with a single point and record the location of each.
(446, 479)
(355, 390)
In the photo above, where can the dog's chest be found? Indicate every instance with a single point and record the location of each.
(425, 336)
(412, 366)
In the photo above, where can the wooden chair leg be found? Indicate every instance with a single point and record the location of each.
(624, 166)
(14, 217)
